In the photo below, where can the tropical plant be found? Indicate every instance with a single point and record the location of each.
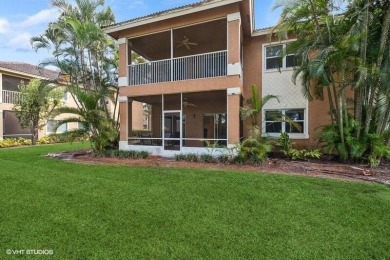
(93, 119)
(87, 60)
(35, 105)
(286, 147)
(339, 55)
(253, 150)
(252, 110)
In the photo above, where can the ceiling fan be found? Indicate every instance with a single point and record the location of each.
(186, 42)
(188, 104)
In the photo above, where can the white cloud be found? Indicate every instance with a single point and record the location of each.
(136, 4)
(16, 33)
(42, 17)
(4, 26)
(20, 42)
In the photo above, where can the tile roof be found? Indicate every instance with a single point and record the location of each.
(29, 69)
(161, 12)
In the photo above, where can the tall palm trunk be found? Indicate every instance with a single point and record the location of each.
(359, 91)
(374, 92)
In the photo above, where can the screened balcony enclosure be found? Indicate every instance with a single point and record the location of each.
(178, 121)
(179, 54)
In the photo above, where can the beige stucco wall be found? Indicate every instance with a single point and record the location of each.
(42, 132)
(271, 83)
(197, 85)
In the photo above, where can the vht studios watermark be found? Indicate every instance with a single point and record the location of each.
(29, 251)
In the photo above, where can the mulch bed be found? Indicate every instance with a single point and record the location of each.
(318, 168)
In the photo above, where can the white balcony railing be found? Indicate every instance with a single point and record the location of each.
(207, 65)
(9, 96)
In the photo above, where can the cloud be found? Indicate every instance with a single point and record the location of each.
(16, 33)
(21, 42)
(42, 17)
(136, 4)
(4, 26)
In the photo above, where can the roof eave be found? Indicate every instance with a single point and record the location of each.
(23, 74)
(172, 14)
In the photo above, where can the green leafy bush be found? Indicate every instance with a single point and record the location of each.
(253, 150)
(180, 157)
(368, 147)
(207, 158)
(286, 147)
(224, 159)
(13, 142)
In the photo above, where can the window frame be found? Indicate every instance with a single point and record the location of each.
(284, 59)
(58, 132)
(303, 135)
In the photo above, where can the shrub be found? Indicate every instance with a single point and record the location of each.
(224, 159)
(13, 142)
(207, 158)
(286, 146)
(253, 150)
(192, 157)
(180, 157)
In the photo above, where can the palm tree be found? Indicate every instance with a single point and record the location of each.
(95, 124)
(341, 53)
(85, 55)
(252, 110)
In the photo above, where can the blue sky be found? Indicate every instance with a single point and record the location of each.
(22, 19)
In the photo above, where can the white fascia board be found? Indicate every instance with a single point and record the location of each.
(233, 17)
(169, 15)
(262, 32)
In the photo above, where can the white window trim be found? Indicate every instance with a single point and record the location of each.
(58, 132)
(265, 45)
(304, 135)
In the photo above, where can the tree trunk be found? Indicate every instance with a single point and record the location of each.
(382, 46)
(34, 135)
(359, 91)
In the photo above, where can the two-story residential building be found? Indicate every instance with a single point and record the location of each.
(11, 75)
(193, 67)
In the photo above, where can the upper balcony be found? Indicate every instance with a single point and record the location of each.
(9, 96)
(186, 53)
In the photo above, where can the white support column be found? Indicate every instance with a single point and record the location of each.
(123, 80)
(234, 44)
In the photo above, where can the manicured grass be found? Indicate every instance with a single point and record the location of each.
(117, 212)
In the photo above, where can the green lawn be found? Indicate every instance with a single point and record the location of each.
(118, 212)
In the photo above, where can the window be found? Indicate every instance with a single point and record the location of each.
(51, 124)
(65, 96)
(274, 57)
(274, 124)
(80, 126)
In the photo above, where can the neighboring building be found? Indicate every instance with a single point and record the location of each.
(198, 64)
(11, 74)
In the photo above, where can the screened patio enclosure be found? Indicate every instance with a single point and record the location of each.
(179, 54)
(175, 122)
